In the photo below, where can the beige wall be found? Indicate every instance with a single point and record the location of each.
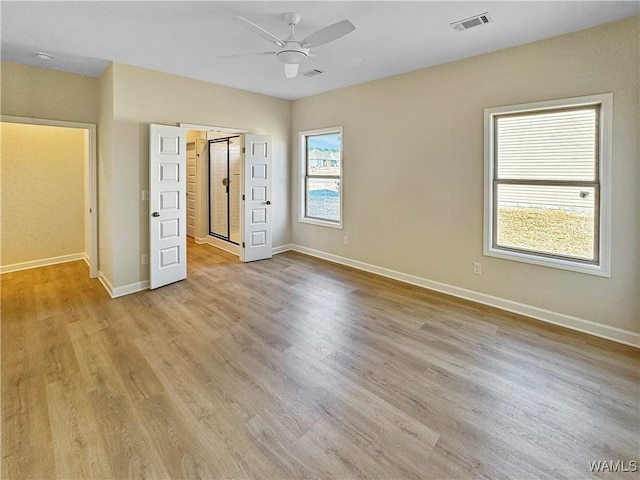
(43, 93)
(413, 169)
(141, 97)
(105, 176)
(42, 184)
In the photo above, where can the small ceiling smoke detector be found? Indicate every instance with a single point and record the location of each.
(471, 22)
(43, 56)
(313, 73)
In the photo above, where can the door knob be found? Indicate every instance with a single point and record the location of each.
(268, 202)
(155, 214)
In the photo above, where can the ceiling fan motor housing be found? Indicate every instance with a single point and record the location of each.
(292, 52)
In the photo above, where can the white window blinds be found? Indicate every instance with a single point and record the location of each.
(557, 145)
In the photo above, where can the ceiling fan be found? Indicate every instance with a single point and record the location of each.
(291, 51)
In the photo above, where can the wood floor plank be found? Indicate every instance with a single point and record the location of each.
(174, 438)
(132, 369)
(94, 361)
(27, 448)
(294, 367)
(182, 382)
(77, 444)
(59, 357)
(17, 292)
(345, 458)
(51, 300)
(241, 447)
(130, 451)
(278, 443)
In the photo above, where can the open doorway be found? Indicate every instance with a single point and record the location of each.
(214, 174)
(48, 193)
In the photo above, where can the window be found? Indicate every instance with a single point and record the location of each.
(321, 166)
(546, 193)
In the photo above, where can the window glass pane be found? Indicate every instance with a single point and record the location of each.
(323, 154)
(549, 219)
(323, 199)
(558, 145)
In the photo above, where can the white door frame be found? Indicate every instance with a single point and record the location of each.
(211, 128)
(90, 181)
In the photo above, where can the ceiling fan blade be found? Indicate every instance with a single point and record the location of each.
(242, 55)
(328, 34)
(270, 37)
(291, 70)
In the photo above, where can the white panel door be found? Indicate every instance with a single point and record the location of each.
(167, 205)
(191, 187)
(256, 206)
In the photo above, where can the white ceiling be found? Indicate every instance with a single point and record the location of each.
(186, 38)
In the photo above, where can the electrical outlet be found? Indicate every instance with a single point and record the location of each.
(477, 268)
(346, 240)
(144, 259)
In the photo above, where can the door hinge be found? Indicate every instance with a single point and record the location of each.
(243, 196)
(243, 150)
(91, 210)
(242, 244)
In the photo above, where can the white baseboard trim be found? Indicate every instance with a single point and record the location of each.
(221, 244)
(124, 290)
(16, 267)
(574, 323)
(131, 288)
(281, 249)
(105, 283)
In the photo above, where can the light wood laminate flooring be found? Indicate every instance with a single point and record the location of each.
(298, 368)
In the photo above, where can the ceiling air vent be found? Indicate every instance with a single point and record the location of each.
(471, 22)
(313, 73)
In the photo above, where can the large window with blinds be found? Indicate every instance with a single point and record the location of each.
(547, 167)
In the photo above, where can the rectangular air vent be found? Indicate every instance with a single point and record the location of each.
(313, 73)
(471, 22)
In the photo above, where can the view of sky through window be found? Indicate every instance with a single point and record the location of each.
(323, 176)
(329, 141)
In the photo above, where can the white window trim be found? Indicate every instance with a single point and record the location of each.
(302, 163)
(605, 101)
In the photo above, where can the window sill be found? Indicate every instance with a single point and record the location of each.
(321, 223)
(598, 270)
